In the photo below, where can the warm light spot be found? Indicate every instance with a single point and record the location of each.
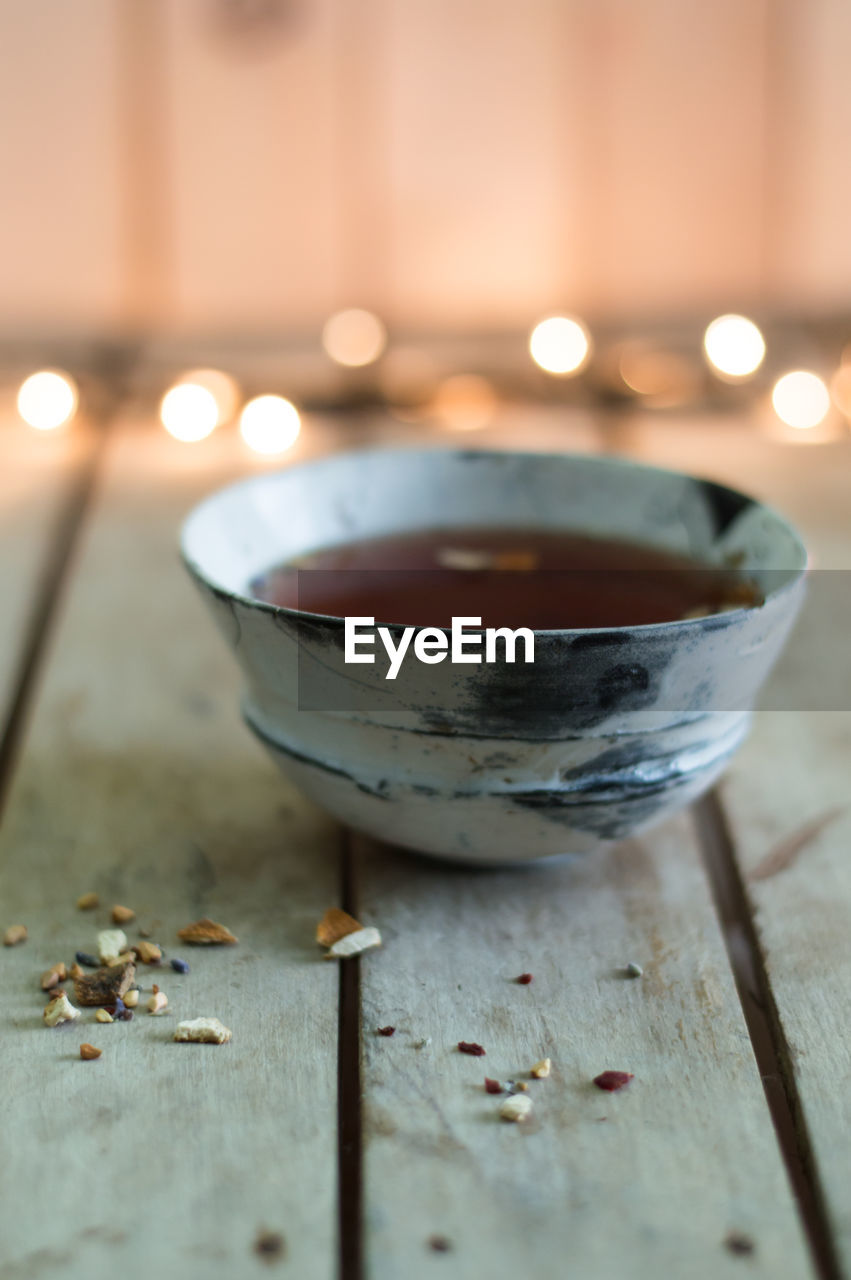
(222, 387)
(48, 399)
(800, 399)
(840, 389)
(464, 402)
(269, 424)
(560, 345)
(663, 378)
(189, 412)
(354, 337)
(734, 346)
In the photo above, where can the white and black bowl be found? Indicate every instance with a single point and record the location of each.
(608, 731)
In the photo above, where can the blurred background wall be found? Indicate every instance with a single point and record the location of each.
(229, 167)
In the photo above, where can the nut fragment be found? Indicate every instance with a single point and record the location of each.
(157, 1002)
(105, 985)
(206, 932)
(111, 943)
(541, 1069)
(334, 925)
(76, 971)
(354, 943)
(122, 915)
(59, 1010)
(88, 1052)
(517, 1108)
(611, 1081)
(53, 976)
(88, 902)
(101, 1015)
(15, 934)
(203, 1031)
(131, 998)
(148, 952)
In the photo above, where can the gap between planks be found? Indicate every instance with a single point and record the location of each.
(349, 1124)
(47, 598)
(771, 1049)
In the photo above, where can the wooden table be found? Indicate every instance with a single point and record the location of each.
(126, 770)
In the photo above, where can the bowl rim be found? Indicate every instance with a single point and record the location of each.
(713, 621)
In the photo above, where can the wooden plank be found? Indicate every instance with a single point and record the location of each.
(645, 1182)
(140, 783)
(37, 475)
(786, 800)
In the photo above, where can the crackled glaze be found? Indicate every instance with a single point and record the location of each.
(607, 732)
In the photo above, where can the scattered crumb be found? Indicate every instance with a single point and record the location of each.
(148, 952)
(541, 1069)
(111, 944)
(475, 1050)
(88, 902)
(131, 998)
(14, 935)
(88, 1052)
(386, 1031)
(611, 1081)
(206, 932)
(105, 985)
(157, 1002)
(516, 1086)
(203, 1031)
(101, 1015)
(270, 1245)
(524, 979)
(83, 957)
(422, 1044)
(492, 1086)
(737, 1242)
(76, 971)
(59, 1010)
(119, 1011)
(178, 965)
(633, 970)
(352, 944)
(53, 976)
(439, 1244)
(334, 925)
(517, 1108)
(122, 915)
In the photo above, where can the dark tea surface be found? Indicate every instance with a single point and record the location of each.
(508, 577)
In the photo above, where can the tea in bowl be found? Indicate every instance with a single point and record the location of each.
(496, 657)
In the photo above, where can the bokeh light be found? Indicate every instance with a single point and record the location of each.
(354, 337)
(663, 378)
(464, 402)
(189, 412)
(222, 387)
(47, 399)
(840, 388)
(734, 346)
(560, 345)
(269, 424)
(800, 399)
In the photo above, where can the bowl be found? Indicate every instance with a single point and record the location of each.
(608, 731)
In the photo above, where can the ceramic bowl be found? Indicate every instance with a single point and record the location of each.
(608, 731)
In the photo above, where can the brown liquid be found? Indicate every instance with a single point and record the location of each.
(507, 577)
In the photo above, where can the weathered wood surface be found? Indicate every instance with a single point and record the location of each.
(787, 802)
(644, 1182)
(139, 782)
(37, 476)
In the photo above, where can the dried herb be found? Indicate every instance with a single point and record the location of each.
(492, 1086)
(524, 979)
(475, 1050)
(386, 1031)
